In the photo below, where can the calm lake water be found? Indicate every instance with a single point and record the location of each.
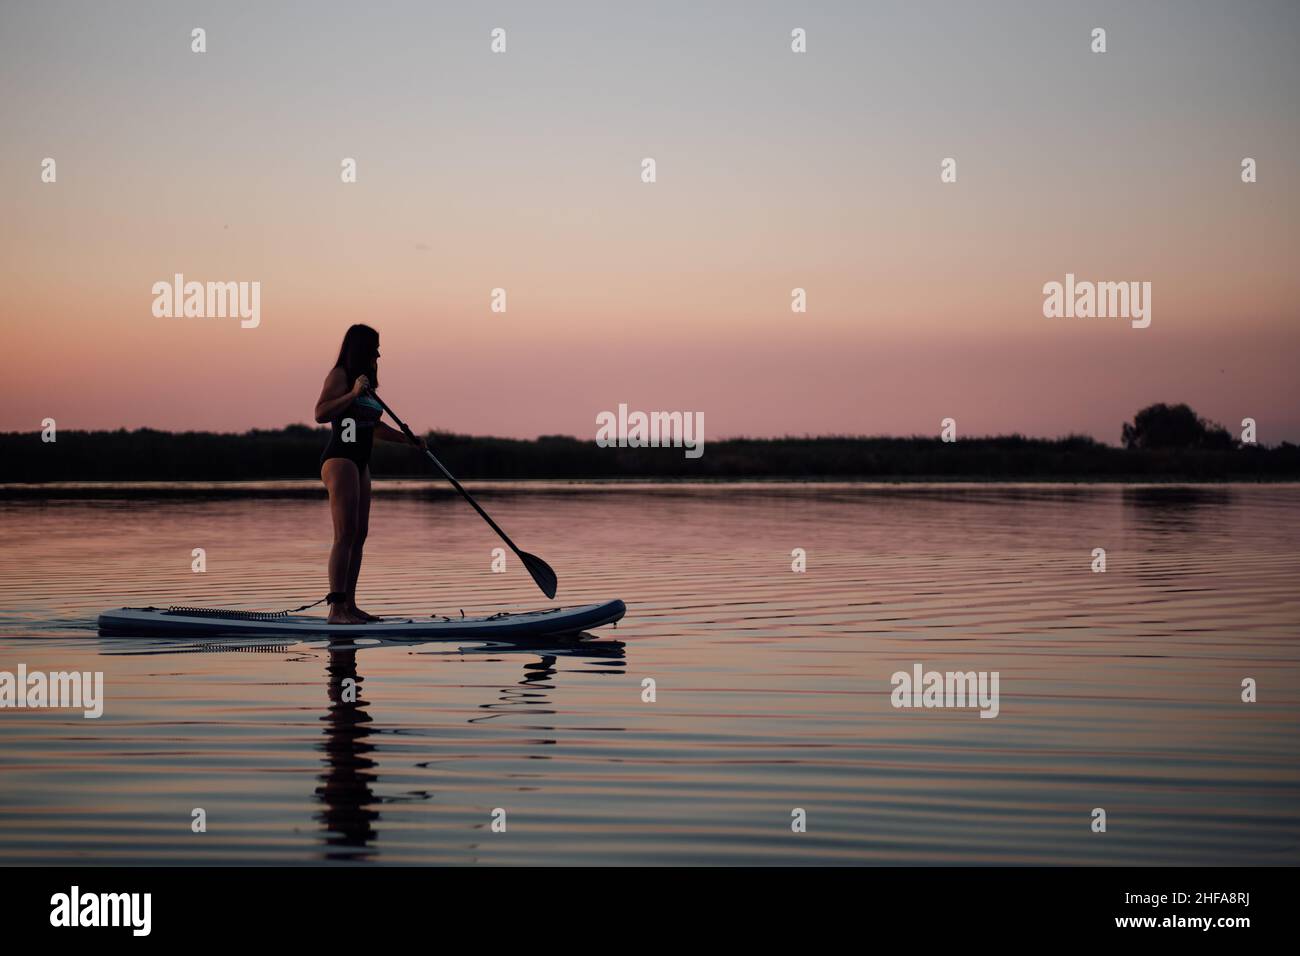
(1118, 690)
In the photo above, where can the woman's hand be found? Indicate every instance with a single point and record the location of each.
(360, 385)
(419, 443)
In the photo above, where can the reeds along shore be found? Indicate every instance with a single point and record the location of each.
(294, 453)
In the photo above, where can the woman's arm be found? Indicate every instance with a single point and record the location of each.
(387, 433)
(336, 396)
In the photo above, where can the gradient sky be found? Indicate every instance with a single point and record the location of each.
(775, 170)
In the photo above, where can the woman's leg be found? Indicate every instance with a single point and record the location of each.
(344, 485)
(358, 543)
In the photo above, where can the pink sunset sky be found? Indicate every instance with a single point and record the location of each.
(775, 170)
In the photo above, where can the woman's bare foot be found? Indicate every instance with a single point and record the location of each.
(364, 615)
(342, 614)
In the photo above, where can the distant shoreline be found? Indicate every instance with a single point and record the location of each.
(91, 459)
(437, 488)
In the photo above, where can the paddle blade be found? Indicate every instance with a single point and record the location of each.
(541, 572)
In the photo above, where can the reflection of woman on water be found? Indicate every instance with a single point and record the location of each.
(353, 415)
(345, 789)
(351, 748)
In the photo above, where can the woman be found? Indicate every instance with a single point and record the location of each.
(345, 402)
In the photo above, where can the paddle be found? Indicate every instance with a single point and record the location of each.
(539, 569)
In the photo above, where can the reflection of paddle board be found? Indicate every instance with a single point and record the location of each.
(146, 621)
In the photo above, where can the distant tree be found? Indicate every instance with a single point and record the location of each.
(1173, 426)
(298, 431)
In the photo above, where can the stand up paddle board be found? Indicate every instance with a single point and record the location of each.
(147, 621)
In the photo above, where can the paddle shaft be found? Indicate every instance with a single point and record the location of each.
(446, 474)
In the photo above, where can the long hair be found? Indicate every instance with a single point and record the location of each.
(359, 353)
